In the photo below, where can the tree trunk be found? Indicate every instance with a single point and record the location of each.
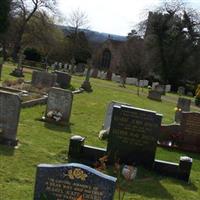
(18, 41)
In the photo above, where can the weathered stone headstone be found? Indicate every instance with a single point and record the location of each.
(43, 79)
(72, 182)
(10, 106)
(190, 127)
(133, 135)
(109, 111)
(183, 105)
(59, 105)
(154, 95)
(63, 79)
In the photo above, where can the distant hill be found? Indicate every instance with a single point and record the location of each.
(95, 36)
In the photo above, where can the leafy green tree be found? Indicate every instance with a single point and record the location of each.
(171, 39)
(4, 15)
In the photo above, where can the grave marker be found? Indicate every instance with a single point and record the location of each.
(183, 105)
(107, 120)
(72, 182)
(59, 101)
(10, 105)
(63, 79)
(154, 95)
(190, 126)
(43, 79)
(133, 135)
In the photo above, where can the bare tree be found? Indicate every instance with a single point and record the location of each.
(78, 19)
(24, 10)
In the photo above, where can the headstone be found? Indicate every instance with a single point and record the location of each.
(59, 105)
(190, 126)
(133, 136)
(160, 88)
(168, 88)
(109, 111)
(63, 79)
(183, 105)
(154, 84)
(43, 79)
(131, 81)
(181, 91)
(10, 106)
(72, 182)
(154, 95)
(99, 74)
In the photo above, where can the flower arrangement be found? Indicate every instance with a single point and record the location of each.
(128, 172)
(55, 115)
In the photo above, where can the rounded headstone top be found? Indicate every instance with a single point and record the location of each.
(77, 138)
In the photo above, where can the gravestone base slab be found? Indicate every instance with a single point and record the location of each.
(78, 152)
(8, 142)
(86, 86)
(17, 73)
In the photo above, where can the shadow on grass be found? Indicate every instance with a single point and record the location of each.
(148, 184)
(52, 125)
(7, 151)
(59, 128)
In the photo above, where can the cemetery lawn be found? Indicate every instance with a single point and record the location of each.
(47, 143)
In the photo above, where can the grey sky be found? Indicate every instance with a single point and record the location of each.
(112, 16)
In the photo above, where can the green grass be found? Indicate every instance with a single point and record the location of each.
(42, 143)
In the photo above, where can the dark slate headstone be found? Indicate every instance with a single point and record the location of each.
(109, 111)
(133, 135)
(183, 105)
(63, 79)
(43, 79)
(10, 106)
(72, 182)
(154, 95)
(190, 126)
(60, 101)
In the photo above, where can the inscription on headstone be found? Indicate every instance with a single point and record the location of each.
(10, 105)
(133, 135)
(43, 79)
(59, 105)
(72, 182)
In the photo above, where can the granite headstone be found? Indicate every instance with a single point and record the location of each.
(43, 79)
(10, 106)
(154, 95)
(63, 79)
(72, 182)
(183, 105)
(133, 135)
(190, 127)
(59, 101)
